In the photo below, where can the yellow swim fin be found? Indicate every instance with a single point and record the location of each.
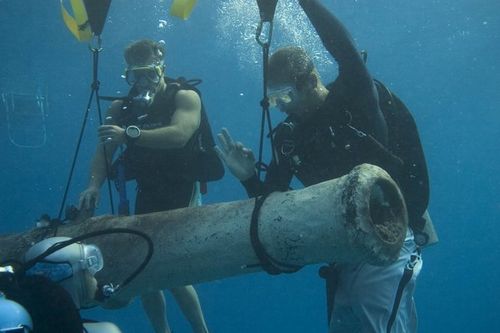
(79, 23)
(182, 8)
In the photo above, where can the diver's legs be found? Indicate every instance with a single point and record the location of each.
(188, 301)
(155, 308)
(365, 296)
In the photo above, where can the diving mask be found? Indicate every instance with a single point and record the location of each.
(281, 95)
(92, 258)
(147, 74)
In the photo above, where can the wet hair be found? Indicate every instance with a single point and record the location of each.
(141, 52)
(289, 65)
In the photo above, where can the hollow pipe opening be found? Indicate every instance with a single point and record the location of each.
(388, 212)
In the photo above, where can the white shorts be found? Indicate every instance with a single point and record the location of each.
(366, 294)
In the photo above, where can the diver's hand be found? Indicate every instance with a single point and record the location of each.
(89, 199)
(239, 160)
(111, 134)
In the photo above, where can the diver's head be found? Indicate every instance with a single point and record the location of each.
(13, 317)
(294, 83)
(145, 70)
(73, 267)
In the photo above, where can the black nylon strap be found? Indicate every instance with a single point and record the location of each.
(268, 263)
(407, 274)
(330, 274)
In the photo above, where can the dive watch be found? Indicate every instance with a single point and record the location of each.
(132, 134)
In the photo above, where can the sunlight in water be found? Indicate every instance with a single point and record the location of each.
(237, 21)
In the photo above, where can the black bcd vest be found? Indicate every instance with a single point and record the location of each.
(328, 145)
(196, 161)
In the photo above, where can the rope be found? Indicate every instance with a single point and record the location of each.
(93, 93)
(265, 44)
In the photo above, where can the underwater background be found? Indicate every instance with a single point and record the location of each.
(440, 56)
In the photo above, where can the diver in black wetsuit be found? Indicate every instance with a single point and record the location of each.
(319, 141)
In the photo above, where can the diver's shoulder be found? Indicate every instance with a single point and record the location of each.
(187, 95)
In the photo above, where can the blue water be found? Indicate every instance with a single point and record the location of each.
(441, 57)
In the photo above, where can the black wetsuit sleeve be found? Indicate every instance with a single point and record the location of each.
(278, 178)
(253, 186)
(338, 43)
(354, 77)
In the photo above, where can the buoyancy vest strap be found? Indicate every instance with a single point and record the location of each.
(407, 274)
(379, 149)
(268, 263)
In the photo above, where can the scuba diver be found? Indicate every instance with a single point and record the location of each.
(162, 123)
(13, 317)
(55, 287)
(330, 129)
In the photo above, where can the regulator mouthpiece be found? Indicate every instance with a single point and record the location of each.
(144, 99)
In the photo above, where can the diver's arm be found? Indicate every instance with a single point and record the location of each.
(101, 162)
(337, 40)
(353, 74)
(253, 186)
(184, 123)
(106, 147)
(98, 167)
(277, 179)
(240, 161)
